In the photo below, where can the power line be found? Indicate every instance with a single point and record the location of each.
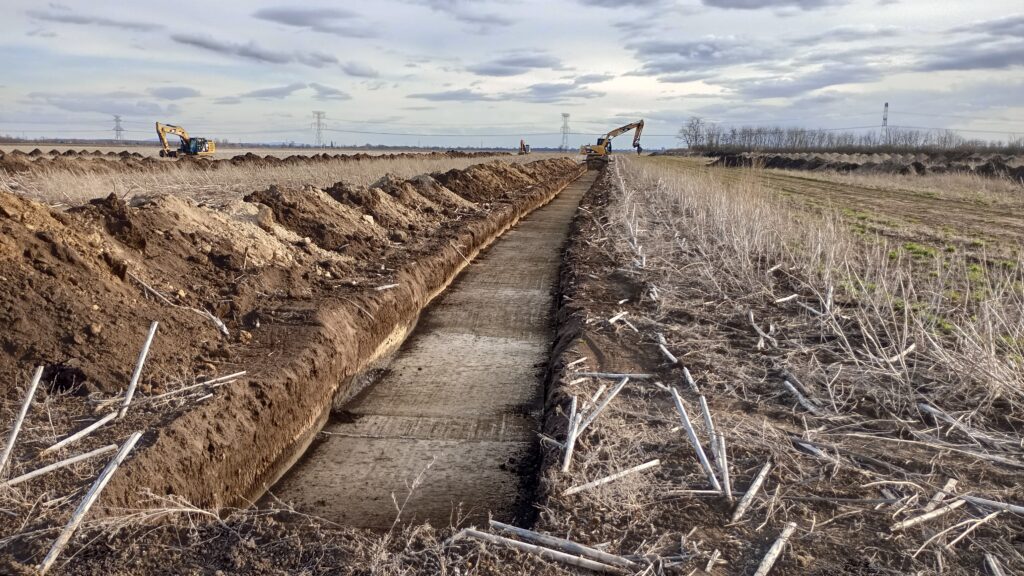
(463, 134)
(959, 117)
(1005, 132)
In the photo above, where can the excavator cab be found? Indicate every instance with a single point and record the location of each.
(195, 146)
(599, 154)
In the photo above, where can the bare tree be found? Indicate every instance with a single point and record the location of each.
(692, 133)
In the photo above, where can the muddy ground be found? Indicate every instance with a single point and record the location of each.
(307, 287)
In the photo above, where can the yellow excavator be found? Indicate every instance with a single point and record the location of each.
(599, 154)
(190, 146)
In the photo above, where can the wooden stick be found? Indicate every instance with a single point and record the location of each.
(617, 317)
(59, 465)
(710, 425)
(760, 332)
(576, 361)
(972, 528)
(217, 322)
(693, 440)
(572, 417)
(604, 403)
(901, 355)
(570, 441)
(939, 446)
(993, 565)
(219, 380)
(668, 355)
(801, 398)
(546, 553)
(87, 502)
(939, 496)
(615, 375)
(909, 522)
(385, 287)
(787, 298)
(723, 467)
(80, 434)
(776, 550)
(611, 477)
(689, 380)
(664, 350)
(748, 497)
(593, 399)
(1016, 509)
(566, 545)
(138, 369)
(13, 437)
(552, 441)
(970, 433)
(712, 561)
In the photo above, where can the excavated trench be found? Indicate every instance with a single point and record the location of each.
(448, 428)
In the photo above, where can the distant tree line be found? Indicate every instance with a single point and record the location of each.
(708, 137)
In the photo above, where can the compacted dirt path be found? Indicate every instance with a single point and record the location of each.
(448, 430)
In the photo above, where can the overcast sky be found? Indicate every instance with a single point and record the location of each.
(471, 72)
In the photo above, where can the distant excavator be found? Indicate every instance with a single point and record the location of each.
(599, 154)
(190, 146)
(524, 148)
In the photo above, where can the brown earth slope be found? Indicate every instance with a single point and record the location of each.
(310, 284)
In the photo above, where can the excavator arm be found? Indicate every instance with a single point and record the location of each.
(623, 129)
(598, 155)
(189, 146)
(162, 130)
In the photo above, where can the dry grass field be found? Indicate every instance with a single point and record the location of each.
(866, 368)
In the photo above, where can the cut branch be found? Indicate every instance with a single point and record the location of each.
(13, 437)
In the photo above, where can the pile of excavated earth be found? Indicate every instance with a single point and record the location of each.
(265, 310)
(992, 165)
(98, 162)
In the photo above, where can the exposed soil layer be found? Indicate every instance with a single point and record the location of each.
(993, 165)
(298, 301)
(113, 162)
(449, 428)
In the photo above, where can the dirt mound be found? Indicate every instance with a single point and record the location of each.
(125, 161)
(291, 275)
(984, 165)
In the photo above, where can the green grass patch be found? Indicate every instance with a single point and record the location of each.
(919, 251)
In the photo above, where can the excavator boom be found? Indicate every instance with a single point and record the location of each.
(189, 146)
(598, 154)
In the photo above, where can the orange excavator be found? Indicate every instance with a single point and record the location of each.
(599, 154)
(524, 148)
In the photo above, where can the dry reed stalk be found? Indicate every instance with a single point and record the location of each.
(137, 373)
(20, 418)
(87, 502)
